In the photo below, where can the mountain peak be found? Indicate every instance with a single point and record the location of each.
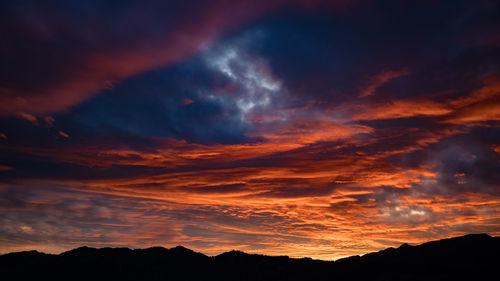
(405, 246)
(181, 248)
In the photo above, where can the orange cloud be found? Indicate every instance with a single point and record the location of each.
(401, 109)
(380, 79)
(63, 134)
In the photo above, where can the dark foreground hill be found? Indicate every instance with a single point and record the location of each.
(470, 257)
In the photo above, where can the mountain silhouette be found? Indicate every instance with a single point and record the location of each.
(469, 257)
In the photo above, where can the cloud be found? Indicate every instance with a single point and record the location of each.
(61, 55)
(402, 109)
(310, 131)
(49, 121)
(77, 56)
(63, 134)
(29, 118)
(251, 76)
(380, 79)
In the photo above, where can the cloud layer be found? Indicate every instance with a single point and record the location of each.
(304, 129)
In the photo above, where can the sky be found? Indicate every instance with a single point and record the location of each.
(313, 128)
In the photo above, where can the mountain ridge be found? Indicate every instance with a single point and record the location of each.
(470, 255)
(404, 245)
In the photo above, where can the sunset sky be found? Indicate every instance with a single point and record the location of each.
(303, 127)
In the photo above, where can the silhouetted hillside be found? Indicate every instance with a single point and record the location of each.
(472, 257)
